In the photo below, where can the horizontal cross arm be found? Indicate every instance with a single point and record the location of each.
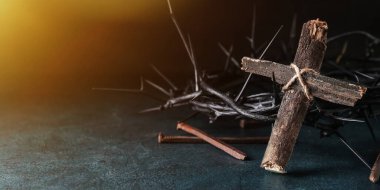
(326, 88)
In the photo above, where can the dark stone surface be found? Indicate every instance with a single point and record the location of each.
(96, 141)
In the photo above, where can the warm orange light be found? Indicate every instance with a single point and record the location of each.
(44, 38)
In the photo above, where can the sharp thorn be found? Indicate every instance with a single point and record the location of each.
(369, 125)
(166, 79)
(261, 56)
(159, 88)
(189, 117)
(352, 150)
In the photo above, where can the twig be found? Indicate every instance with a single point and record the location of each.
(234, 61)
(369, 125)
(189, 117)
(124, 90)
(186, 97)
(342, 52)
(161, 108)
(228, 58)
(187, 47)
(343, 70)
(253, 30)
(141, 90)
(164, 77)
(232, 104)
(261, 56)
(352, 150)
(345, 119)
(357, 32)
(158, 87)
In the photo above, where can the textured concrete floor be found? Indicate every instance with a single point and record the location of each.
(96, 141)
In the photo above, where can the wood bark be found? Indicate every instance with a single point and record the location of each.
(375, 171)
(294, 105)
(326, 88)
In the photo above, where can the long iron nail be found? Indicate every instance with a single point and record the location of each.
(213, 141)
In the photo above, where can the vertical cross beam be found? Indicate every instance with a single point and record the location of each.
(294, 105)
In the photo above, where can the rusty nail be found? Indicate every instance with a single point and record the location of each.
(213, 141)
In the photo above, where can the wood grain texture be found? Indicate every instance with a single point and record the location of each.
(326, 88)
(375, 171)
(294, 105)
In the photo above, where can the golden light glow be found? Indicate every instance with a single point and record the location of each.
(39, 38)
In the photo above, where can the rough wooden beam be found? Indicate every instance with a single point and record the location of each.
(326, 88)
(375, 171)
(294, 105)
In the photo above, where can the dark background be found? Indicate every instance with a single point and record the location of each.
(55, 132)
(63, 46)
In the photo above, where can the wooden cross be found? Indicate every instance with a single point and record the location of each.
(295, 103)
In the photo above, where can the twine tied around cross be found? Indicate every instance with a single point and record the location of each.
(298, 75)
